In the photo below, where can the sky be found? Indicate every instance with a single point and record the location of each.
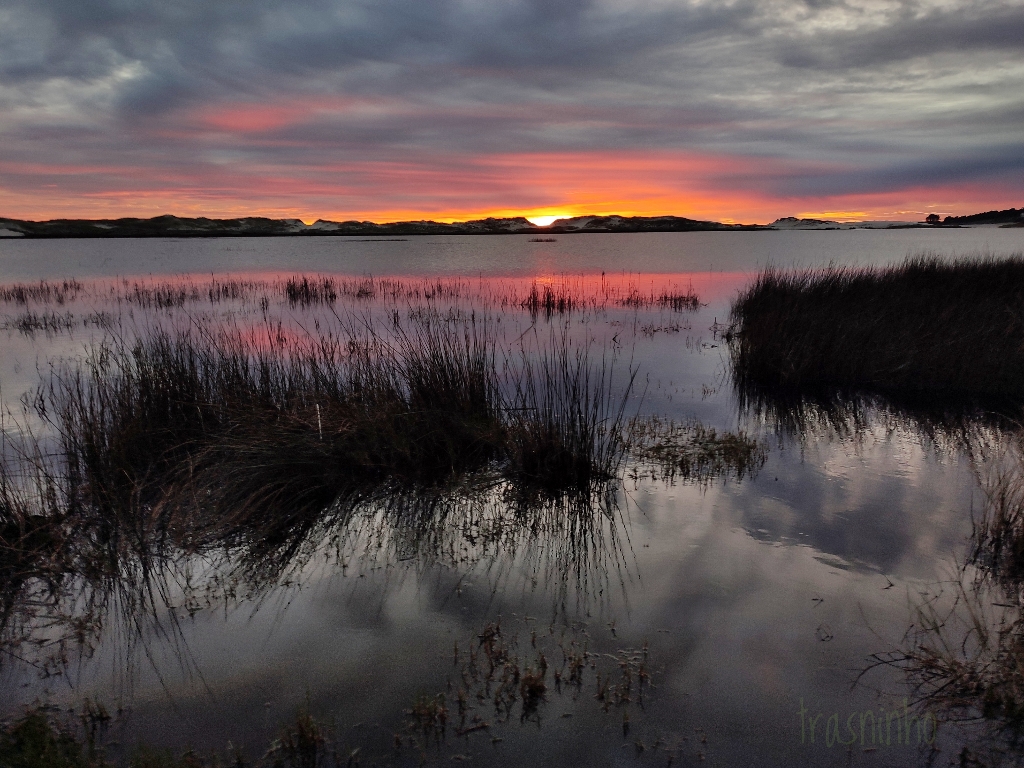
(384, 110)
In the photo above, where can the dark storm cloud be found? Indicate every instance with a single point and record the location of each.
(910, 33)
(859, 95)
(220, 41)
(992, 164)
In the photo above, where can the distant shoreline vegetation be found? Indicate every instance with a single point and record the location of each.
(175, 226)
(257, 226)
(926, 326)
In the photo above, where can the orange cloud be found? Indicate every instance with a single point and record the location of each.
(250, 117)
(447, 187)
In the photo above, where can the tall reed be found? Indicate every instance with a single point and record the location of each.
(926, 325)
(267, 416)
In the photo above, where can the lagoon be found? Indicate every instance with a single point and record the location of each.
(737, 605)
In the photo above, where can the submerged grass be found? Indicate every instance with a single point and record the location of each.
(40, 738)
(550, 297)
(677, 301)
(565, 295)
(695, 453)
(35, 741)
(43, 292)
(305, 290)
(510, 671)
(927, 325)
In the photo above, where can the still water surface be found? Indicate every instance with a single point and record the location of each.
(760, 600)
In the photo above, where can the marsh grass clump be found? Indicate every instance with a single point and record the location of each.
(163, 295)
(549, 300)
(316, 290)
(679, 302)
(300, 744)
(564, 423)
(218, 290)
(35, 741)
(268, 420)
(927, 325)
(47, 322)
(203, 419)
(567, 294)
(50, 323)
(692, 452)
(44, 292)
(673, 299)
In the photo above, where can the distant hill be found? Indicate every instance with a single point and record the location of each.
(1013, 216)
(175, 226)
(255, 226)
(791, 222)
(641, 224)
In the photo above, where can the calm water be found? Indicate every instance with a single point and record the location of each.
(760, 600)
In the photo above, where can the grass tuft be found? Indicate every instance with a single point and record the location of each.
(926, 325)
(43, 292)
(305, 291)
(694, 453)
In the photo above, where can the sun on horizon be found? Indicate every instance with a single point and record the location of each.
(544, 221)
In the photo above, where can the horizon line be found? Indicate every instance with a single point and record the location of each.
(533, 219)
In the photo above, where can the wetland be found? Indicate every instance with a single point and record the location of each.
(501, 500)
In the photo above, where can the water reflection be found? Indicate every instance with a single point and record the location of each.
(805, 414)
(186, 472)
(72, 579)
(131, 563)
(963, 654)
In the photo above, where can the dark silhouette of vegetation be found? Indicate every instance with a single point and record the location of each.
(40, 738)
(35, 742)
(695, 453)
(1007, 216)
(926, 326)
(255, 226)
(417, 407)
(254, 449)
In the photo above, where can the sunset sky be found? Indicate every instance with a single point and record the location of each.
(733, 110)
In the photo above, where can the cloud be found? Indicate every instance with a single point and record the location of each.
(829, 97)
(912, 30)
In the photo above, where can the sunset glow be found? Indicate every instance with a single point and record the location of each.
(763, 114)
(543, 221)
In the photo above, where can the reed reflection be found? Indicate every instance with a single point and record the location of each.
(963, 652)
(203, 463)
